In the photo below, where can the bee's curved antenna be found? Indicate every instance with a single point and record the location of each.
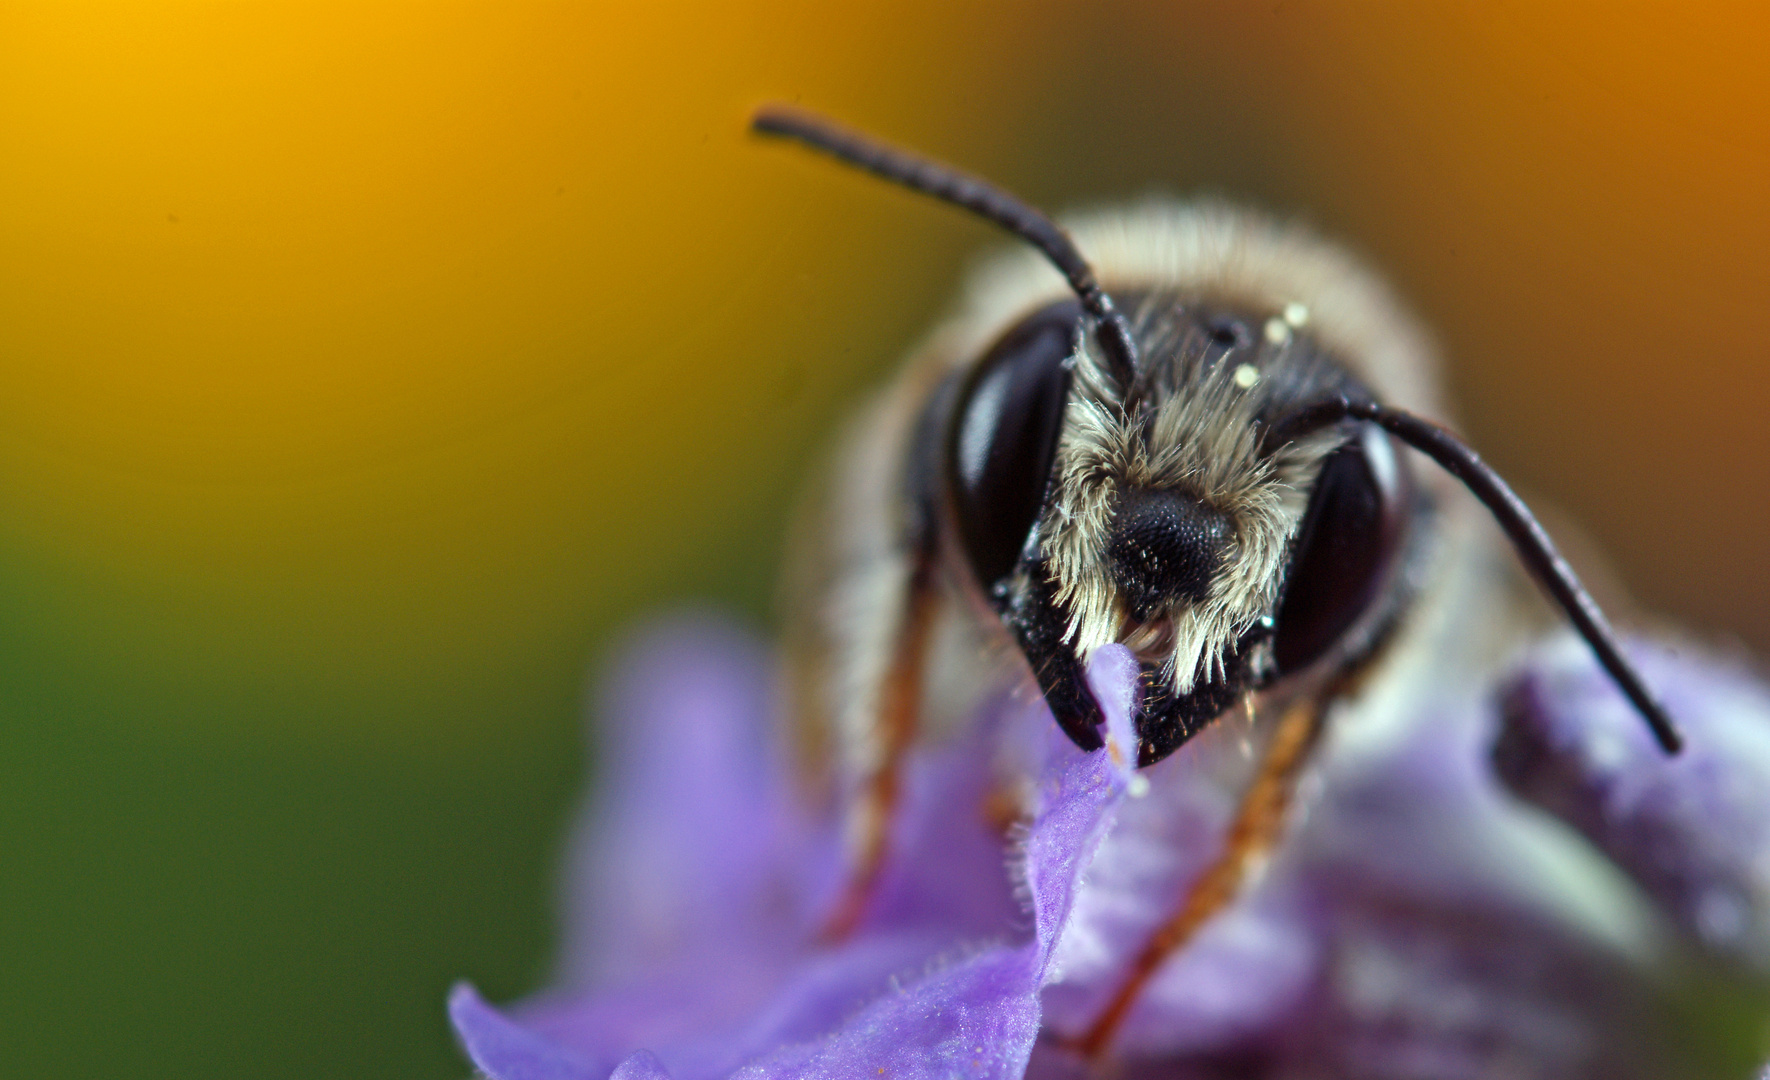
(977, 195)
(1533, 545)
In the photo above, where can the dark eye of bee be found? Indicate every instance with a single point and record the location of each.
(1349, 537)
(1005, 436)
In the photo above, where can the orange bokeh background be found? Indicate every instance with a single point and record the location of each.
(364, 367)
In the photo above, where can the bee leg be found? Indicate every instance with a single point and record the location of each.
(877, 796)
(1259, 823)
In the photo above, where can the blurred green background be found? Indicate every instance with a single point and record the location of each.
(366, 369)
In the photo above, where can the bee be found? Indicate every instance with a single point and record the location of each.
(1188, 440)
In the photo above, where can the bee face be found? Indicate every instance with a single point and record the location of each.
(1176, 524)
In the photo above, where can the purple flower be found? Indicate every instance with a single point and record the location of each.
(1693, 833)
(1562, 903)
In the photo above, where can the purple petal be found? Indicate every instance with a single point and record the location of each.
(1451, 938)
(1415, 922)
(693, 874)
(1248, 966)
(912, 999)
(979, 1016)
(1694, 830)
(705, 1023)
(692, 850)
(945, 871)
(1460, 937)
(504, 1051)
(643, 1065)
(1081, 794)
(1417, 989)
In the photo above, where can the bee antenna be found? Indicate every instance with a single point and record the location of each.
(1532, 543)
(987, 200)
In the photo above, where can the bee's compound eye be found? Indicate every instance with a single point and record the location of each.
(1005, 436)
(1349, 538)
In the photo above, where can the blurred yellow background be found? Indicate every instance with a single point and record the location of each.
(364, 368)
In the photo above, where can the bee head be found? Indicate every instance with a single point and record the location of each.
(1225, 558)
(1204, 482)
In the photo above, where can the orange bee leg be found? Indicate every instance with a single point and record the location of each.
(1259, 824)
(877, 800)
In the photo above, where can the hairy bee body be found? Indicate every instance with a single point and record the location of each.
(855, 559)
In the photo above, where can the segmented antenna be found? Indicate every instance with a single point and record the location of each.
(1533, 545)
(975, 194)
